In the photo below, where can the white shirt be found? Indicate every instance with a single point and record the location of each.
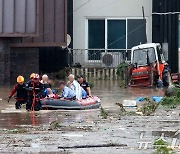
(77, 89)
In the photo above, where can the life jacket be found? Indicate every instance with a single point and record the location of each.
(20, 90)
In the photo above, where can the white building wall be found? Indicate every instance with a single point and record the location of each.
(84, 9)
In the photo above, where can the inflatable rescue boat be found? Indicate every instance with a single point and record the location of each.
(55, 104)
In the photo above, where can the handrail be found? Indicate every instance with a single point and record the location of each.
(105, 49)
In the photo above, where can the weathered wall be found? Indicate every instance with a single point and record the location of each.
(4, 61)
(24, 61)
(52, 25)
(18, 18)
(107, 8)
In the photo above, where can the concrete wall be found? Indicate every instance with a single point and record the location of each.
(107, 8)
(85, 9)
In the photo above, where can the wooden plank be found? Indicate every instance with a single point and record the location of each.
(20, 7)
(49, 20)
(59, 20)
(30, 44)
(8, 16)
(30, 16)
(12, 18)
(1, 16)
(40, 10)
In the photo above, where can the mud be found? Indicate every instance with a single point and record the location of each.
(86, 131)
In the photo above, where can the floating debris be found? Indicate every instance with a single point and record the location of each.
(93, 146)
(54, 125)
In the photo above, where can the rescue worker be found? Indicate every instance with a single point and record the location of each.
(66, 92)
(35, 91)
(21, 93)
(84, 84)
(32, 76)
(75, 86)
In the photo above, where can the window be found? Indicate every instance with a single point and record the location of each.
(116, 38)
(144, 56)
(121, 34)
(96, 37)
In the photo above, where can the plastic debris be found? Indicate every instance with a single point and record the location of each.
(139, 99)
(129, 103)
(157, 99)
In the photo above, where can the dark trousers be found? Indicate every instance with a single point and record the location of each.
(19, 103)
(37, 104)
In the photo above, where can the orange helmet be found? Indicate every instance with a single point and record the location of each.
(32, 75)
(36, 76)
(20, 79)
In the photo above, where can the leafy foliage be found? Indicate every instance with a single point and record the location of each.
(148, 107)
(172, 101)
(162, 147)
(121, 69)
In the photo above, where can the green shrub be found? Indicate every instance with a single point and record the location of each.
(121, 70)
(172, 101)
(162, 147)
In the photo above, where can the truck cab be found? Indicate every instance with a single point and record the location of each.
(147, 64)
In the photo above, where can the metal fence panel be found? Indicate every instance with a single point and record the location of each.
(98, 57)
(18, 18)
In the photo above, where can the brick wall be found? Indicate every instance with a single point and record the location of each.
(4, 61)
(24, 61)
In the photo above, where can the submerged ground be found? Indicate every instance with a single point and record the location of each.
(87, 131)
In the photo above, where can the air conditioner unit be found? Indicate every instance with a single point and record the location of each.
(112, 59)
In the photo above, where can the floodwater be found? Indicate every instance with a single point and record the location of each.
(108, 91)
(86, 131)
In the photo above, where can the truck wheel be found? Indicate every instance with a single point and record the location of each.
(165, 78)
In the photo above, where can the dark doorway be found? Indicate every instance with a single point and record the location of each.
(52, 59)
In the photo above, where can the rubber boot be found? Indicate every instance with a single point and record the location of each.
(18, 105)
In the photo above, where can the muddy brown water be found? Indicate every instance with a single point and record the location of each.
(85, 131)
(108, 91)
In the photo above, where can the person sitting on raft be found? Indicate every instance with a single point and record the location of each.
(21, 94)
(84, 94)
(67, 93)
(75, 86)
(84, 84)
(47, 86)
